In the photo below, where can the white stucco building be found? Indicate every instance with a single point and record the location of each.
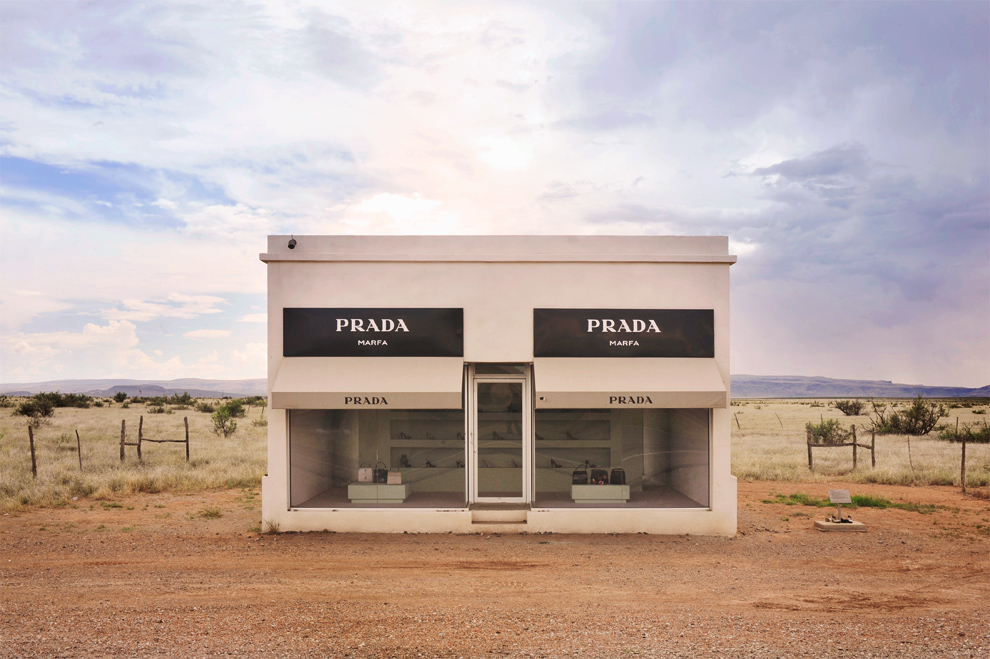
(496, 383)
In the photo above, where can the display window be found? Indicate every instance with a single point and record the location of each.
(376, 458)
(648, 458)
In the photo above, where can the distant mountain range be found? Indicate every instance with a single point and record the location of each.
(799, 386)
(743, 386)
(196, 387)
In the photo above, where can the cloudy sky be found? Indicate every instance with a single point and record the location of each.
(147, 149)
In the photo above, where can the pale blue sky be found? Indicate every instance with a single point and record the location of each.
(147, 149)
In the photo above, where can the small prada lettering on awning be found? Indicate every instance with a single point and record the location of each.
(369, 383)
(571, 383)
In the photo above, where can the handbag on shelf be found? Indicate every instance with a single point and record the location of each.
(381, 475)
(599, 476)
(618, 476)
(580, 476)
(364, 474)
(394, 478)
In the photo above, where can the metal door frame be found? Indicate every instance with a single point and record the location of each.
(526, 418)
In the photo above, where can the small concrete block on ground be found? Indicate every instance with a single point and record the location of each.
(841, 527)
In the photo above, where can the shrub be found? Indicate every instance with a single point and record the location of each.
(184, 399)
(119, 397)
(37, 410)
(255, 401)
(849, 407)
(156, 409)
(205, 407)
(828, 433)
(98, 403)
(64, 400)
(223, 424)
(978, 433)
(126, 406)
(235, 408)
(6, 402)
(919, 419)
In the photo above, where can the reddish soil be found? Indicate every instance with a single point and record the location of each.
(157, 578)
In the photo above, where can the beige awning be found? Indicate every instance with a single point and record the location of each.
(627, 383)
(401, 383)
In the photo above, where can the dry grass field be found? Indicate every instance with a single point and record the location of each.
(215, 462)
(768, 444)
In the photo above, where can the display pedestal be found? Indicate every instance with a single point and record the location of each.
(377, 493)
(600, 493)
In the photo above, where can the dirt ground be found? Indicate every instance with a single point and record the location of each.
(189, 576)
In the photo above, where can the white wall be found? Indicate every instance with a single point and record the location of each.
(689, 462)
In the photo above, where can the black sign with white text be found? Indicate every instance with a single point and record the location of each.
(373, 332)
(623, 332)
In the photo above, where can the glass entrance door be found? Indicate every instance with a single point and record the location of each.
(501, 444)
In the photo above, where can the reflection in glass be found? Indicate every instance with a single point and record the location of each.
(500, 452)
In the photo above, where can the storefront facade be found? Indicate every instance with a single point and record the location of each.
(570, 384)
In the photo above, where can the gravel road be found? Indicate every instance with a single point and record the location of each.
(163, 576)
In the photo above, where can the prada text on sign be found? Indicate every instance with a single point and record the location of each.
(624, 333)
(360, 332)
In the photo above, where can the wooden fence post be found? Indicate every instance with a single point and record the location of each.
(811, 463)
(873, 448)
(737, 420)
(140, 436)
(185, 420)
(854, 446)
(34, 463)
(79, 449)
(962, 473)
(123, 425)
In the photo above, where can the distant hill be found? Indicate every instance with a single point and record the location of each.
(798, 386)
(743, 386)
(196, 387)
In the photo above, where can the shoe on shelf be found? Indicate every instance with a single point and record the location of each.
(430, 465)
(554, 464)
(459, 463)
(404, 461)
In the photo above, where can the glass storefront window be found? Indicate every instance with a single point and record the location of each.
(328, 448)
(661, 454)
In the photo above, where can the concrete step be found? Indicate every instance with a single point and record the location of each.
(499, 516)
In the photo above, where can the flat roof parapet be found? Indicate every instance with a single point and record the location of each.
(629, 249)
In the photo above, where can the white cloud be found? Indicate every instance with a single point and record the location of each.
(176, 305)
(504, 153)
(207, 334)
(254, 318)
(253, 359)
(113, 350)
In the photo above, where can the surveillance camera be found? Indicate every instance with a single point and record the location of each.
(292, 243)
